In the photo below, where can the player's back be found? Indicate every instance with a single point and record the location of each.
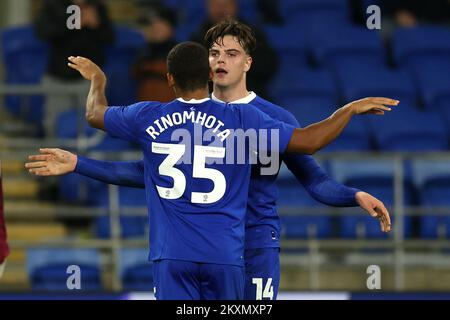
(200, 202)
(197, 173)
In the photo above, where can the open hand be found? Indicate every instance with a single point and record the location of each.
(52, 162)
(374, 105)
(88, 69)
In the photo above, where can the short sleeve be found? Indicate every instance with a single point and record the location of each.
(253, 118)
(120, 122)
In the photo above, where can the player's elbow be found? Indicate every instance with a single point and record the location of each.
(311, 149)
(91, 119)
(95, 117)
(304, 142)
(308, 149)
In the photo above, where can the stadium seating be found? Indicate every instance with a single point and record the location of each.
(413, 46)
(136, 270)
(309, 110)
(346, 44)
(377, 178)
(433, 82)
(67, 127)
(47, 268)
(409, 130)
(303, 82)
(25, 61)
(132, 226)
(433, 181)
(314, 225)
(357, 81)
(289, 45)
(311, 12)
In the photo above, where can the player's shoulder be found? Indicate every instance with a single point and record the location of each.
(143, 107)
(274, 111)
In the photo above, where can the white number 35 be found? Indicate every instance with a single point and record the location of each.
(175, 152)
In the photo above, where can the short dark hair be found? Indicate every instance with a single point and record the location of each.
(231, 27)
(188, 63)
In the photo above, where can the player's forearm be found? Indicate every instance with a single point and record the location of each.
(314, 137)
(96, 102)
(318, 183)
(128, 174)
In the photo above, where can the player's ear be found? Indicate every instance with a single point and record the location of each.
(248, 63)
(170, 80)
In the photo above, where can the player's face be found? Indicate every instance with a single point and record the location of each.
(229, 62)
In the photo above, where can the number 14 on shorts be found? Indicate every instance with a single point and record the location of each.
(265, 294)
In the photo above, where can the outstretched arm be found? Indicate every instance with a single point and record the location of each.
(330, 192)
(55, 162)
(96, 103)
(314, 137)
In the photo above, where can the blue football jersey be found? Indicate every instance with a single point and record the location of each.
(263, 226)
(196, 196)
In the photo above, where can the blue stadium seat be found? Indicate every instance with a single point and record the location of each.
(136, 270)
(346, 44)
(248, 11)
(131, 226)
(359, 81)
(432, 179)
(433, 80)
(315, 225)
(25, 61)
(446, 117)
(304, 82)
(376, 178)
(290, 46)
(47, 268)
(121, 55)
(128, 197)
(190, 15)
(308, 110)
(420, 44)
(435, 193)
(409, 130)
(311, 12)
(67, 128)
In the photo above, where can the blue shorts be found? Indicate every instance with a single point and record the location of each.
(184, 280)
(262, 273)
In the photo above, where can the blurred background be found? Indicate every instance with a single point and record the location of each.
(313, 56)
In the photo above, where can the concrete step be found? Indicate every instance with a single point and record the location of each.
(35, 231)
(12, 167)
(15, 278)
(20, 188)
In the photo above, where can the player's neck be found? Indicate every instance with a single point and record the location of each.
(198, 94)
(231, 93)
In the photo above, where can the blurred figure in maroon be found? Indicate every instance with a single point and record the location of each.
(4, 249)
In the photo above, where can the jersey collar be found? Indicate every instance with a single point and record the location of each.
(193, 101)
(246, 99)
